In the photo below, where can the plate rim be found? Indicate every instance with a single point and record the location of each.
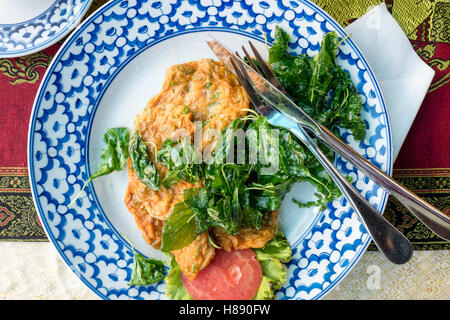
(51, 40)
(93, 16)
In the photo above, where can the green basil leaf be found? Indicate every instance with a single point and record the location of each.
(145, 169)
(115, 153)
(280, 45)
(322, 65)
(320, 86)
(113, 156)
(180, 157)
(265, 200)
(179, 229)
(346, 104)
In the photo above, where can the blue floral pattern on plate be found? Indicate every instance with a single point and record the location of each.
(43, 30)
(82, 71)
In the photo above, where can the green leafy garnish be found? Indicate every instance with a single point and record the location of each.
(325, 92)
(235, 195)
(181, 158)
(318, 84)
(113, 156)
(280, 45)
(146, 271)
(174, 285)
(145, 169)
(180, 229)
(277, 248)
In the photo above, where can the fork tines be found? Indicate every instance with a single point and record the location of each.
(243, 78)
(268, 73)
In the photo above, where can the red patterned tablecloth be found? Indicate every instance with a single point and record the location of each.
(423, 164)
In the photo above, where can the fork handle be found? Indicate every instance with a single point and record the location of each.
(434, 219)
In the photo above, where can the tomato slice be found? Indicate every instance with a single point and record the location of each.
(234, 275)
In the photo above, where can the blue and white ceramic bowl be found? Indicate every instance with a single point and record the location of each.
(28, 26)
(104, 75)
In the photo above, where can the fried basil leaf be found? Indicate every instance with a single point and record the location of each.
(145, 169)
(318, 84)
(346, 104)
(279, 47)
(113, 156)
(322, 64)
(284, 164)
(115, 153)
(181, 158)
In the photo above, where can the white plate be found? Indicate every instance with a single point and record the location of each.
(104, 75)
(28, 26)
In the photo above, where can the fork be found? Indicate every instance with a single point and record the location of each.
(434, 219)
(395, 246)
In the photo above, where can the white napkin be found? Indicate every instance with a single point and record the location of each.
(404, 78)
